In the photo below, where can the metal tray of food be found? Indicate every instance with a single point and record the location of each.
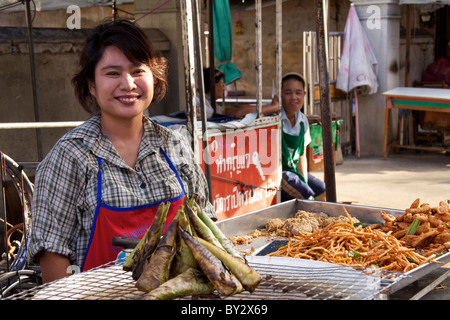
(247, 223)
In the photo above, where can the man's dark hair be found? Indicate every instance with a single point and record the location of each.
(293, 76)
(218, 75)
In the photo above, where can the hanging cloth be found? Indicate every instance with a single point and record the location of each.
(359, 66)
(223, 41)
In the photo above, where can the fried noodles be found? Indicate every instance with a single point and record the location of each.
(355, 246)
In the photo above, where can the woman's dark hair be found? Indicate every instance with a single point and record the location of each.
(134, 44)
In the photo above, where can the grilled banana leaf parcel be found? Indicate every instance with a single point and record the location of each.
(192, 282)
(222, 279)
(156, 271)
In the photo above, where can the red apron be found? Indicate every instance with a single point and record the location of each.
(130, 222)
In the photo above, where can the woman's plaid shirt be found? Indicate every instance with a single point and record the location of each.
(65, 190)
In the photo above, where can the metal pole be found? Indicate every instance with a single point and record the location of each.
(327, 134)
(114, 10)
(258, 62)
(199, 64)
(325, 28)
(3, 207)
(189, 69)
(408, 44)
(212, 67)
(33, 79)
(278, 77)
(278, 50)
(40, 125)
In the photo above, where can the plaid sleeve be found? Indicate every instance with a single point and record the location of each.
(54, 217)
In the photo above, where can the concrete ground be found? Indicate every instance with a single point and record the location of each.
(395, 183)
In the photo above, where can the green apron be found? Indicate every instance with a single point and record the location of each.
(292, 147)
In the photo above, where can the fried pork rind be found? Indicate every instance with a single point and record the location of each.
(442, 238)
(431, 235)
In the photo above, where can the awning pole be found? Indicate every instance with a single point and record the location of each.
(327, 134)
(258, 62)
(408, 44)
(114, 10)
(33, 79)
(199, 65)
(278, 47)
(212, 64)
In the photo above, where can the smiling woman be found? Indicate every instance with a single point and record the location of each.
(122, 90)
(108, 176)
(133, 44)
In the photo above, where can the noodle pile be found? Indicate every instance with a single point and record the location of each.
(355, 246)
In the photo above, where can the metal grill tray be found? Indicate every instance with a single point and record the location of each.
(282, 279)
(247, 223)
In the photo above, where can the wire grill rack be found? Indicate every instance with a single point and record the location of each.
(280, 281)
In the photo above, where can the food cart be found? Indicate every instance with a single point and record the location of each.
(241, 159)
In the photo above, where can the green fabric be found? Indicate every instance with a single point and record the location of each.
(292, 147)
(223, 41)
(315, 130)
(421, 103)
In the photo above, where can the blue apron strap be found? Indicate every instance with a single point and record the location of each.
(99, 181)
(174, 170)
(97, 208)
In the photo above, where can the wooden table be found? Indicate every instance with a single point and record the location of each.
(422, 99)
